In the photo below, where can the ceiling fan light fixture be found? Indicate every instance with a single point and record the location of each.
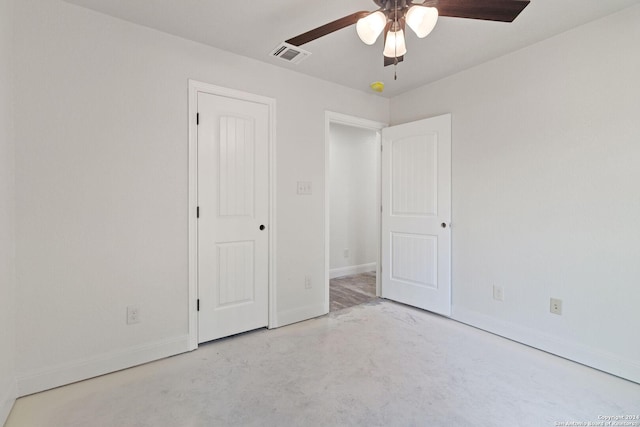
(420, 15)
(395, 45)
(422, 19)
(371, 26)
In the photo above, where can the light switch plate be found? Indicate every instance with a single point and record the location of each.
(304, 188)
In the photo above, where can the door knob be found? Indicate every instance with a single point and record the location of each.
(443, 225)
(262, 227)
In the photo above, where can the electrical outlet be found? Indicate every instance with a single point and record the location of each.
(133, 314)
(555, 306)
(307, 282)
(346, 253)
(498, 293)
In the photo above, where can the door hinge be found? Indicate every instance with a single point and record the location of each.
(380, 208)
(381, 148)
(197, 119)
(198, 212)
(198, 305)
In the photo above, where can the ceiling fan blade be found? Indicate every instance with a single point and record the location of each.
(390, 61)
(488, 10)
(329, 28)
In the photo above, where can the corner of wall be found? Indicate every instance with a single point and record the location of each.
(8, 385)
(8, 393)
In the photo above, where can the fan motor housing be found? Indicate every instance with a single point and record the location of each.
(387, 5)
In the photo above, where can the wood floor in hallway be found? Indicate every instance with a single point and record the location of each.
(352, 290)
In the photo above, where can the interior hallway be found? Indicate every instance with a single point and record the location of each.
(380, 364)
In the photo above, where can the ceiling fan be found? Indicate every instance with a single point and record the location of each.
(421, 17)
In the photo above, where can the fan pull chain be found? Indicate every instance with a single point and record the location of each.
(395, 45)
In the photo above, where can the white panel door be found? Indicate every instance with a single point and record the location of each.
(416, 214)
(233, 202)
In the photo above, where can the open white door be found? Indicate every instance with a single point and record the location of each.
(233, 204)
(416, 214)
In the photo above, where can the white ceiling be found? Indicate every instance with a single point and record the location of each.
(254, 28)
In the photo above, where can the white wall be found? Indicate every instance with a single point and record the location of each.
(7, 208)
(546, 168)
(353, 183)
(101, 162)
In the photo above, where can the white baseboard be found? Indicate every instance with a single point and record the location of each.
(299, 314)
(8, 394)
(56, 376)
(352, 269)
(595, 358)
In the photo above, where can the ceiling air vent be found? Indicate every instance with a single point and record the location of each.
(290, 53)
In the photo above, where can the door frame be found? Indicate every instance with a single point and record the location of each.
(344, 119)
(196, 87)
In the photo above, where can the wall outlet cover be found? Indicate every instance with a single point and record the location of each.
(133, 314)
(555, 306)
(498, 293)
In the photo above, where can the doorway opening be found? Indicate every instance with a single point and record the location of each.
(353, 211)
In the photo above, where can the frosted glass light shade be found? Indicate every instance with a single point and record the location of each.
(370, 27)
(422, 19)
(395, 45)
